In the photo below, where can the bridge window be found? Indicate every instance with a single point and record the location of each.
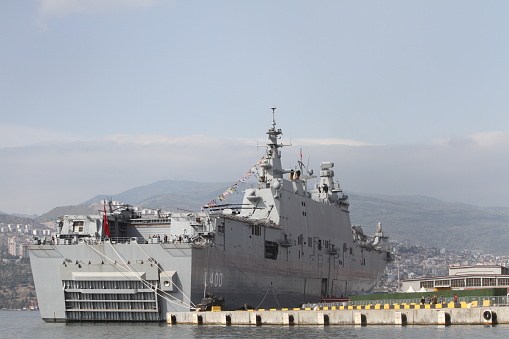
(77, 226)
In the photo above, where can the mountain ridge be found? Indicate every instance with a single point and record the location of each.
(415, 219)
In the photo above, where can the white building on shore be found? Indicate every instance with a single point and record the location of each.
(461, 278)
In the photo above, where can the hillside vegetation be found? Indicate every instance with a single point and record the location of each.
(16, 285)
(431, 222)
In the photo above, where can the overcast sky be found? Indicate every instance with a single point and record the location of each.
(100, 96)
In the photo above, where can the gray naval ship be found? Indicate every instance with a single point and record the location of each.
(282, 246)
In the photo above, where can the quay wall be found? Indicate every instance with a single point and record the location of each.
(362, 317)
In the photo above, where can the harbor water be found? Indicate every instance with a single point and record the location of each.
(28, 324)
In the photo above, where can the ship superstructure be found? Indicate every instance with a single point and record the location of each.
(282, 246)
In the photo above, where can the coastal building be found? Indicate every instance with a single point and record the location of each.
(461, 278)
(14, 246)
(18, 247)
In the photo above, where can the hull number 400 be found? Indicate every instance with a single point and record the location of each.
(215, 279)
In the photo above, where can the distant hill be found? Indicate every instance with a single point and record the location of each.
(69, 210)
(170, 195)
(12, 219)
(419, 220)
(431, 222)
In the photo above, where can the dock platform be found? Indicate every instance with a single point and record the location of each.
(351, 315)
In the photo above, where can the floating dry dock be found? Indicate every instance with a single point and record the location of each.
(352, 315)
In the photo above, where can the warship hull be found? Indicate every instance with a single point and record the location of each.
(130, 280)
(283, 246)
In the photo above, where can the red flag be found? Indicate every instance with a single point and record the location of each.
(301, 154)
(105, 223)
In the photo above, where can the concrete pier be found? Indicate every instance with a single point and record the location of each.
(360, 317)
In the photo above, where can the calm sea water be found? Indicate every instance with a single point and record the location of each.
(28, 324)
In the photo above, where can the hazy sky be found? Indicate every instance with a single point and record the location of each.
(99, 96)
